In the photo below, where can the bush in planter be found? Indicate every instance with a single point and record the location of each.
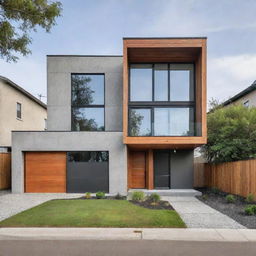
(230, 199)
(250, 209)
(154, 197)
(250, 198)
(138, 196)
(215, 190)
(100, 195)
(118, 196)
(88, 195)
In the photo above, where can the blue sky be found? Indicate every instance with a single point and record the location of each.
(97, 27)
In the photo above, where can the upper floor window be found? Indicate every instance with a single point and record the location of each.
(87, 102)
(161, 82)
(161, 100)
(18, 110)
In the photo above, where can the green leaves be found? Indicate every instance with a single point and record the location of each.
(18, 18)
(231, 134)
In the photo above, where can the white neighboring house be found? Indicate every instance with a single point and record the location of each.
(247, 97)
(19, 110)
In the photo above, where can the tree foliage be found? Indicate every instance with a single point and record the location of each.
(231, 134)
(18, 18)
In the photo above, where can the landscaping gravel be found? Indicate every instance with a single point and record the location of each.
(233, 210)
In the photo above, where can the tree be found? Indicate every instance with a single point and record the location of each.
(18, 18)
(231, 134)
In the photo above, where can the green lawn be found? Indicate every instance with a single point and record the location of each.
(93, 213)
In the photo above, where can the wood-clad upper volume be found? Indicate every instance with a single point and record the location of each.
(167, 50)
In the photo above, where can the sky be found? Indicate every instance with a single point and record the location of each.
(98, 26)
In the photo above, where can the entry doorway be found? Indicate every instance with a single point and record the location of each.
(162, 169)
(137, 169)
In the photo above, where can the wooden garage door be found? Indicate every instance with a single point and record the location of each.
(45, 172)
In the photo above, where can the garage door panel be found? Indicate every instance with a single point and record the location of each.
(45, 172)
(87, 175)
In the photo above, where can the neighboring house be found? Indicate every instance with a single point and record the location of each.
(246, 97)
(19, 110)
(118, 122)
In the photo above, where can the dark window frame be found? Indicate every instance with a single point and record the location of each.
(18, 112)
(161, 104)
(90, 105)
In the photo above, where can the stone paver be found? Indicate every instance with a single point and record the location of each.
(196, 214)
(11, 204)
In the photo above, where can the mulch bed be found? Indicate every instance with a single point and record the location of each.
(233, 210)
(161, 205)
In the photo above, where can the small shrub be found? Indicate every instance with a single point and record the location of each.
(154, 197)
(100, 195)
(250, 198)
(204, 197)
(118, 196)
(250, 210)
(138, 196)
(230, 199)
(88, 195)
(215, 190)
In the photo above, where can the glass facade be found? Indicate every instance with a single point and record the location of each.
(161, 100)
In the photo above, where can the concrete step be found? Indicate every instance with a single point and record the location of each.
(168, 192)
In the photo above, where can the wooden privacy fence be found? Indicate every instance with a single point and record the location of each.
(5, 170)
(232, 177)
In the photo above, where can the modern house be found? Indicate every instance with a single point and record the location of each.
(19, 110)
(118, 122)
(247, 97)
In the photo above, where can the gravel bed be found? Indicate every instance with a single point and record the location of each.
(233, 210)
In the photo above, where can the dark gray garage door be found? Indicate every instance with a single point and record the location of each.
(87, 171)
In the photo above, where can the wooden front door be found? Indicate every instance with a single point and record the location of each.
(45, 172)
(137, 169)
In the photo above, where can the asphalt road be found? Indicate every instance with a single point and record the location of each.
(124, 248)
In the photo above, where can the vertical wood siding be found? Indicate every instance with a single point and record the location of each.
(232, 177)
(5, 170)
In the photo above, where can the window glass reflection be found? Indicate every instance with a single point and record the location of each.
(140, 122)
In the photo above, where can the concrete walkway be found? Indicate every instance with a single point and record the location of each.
(171, 234)
(196, 214)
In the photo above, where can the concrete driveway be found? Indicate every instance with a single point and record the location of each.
(11, 204)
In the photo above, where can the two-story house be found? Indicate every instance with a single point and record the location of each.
(118, 122)
(19, 110)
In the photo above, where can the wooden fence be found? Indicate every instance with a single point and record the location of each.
(5, 170)
(232, 177)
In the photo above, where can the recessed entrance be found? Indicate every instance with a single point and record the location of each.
(162, 178)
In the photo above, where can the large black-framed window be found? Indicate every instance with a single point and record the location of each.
(168, 109)
(88, 102)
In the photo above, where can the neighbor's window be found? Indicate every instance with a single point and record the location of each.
(161, 100)
(18, 110)
(87, 102)
(246, 104)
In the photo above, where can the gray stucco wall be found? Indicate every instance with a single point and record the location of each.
(68, 141)
(182, 169)
(59, 71)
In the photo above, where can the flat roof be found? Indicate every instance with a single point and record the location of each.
(196, 37)
(71, 55)
(23, 91)
(241, 94)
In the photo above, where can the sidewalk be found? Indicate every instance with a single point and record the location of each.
(217, 235)
(196, 214)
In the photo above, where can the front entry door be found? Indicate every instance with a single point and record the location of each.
(137, 169)
(162, 169)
